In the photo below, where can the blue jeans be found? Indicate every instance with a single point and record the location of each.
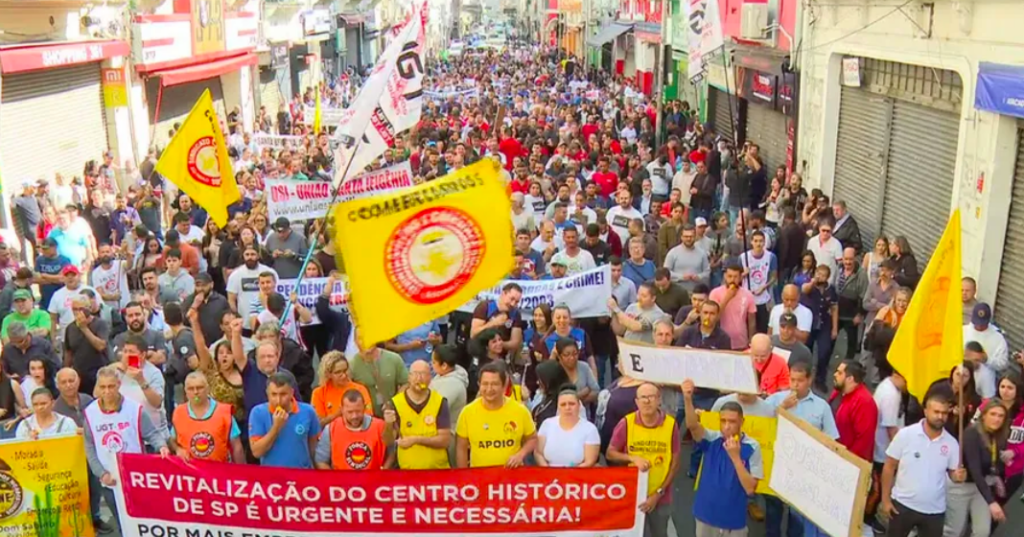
(821, 339)
(700, 403)
(810, 529)
(774, 509)
(108, 496)
(603, 361)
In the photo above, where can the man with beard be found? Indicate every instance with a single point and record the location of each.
(156, 347)
(211, 306)
(243, 285)
(358, 441)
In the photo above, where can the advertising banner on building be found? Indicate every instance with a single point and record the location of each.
(163, 497)
(44, 488)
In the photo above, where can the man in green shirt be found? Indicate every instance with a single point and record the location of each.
(36, 320)
(381, 371)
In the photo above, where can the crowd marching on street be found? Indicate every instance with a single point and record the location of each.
(122, 300)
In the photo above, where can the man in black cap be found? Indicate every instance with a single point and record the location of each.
(995, 359)
(210, 304)
(49, 267)
(787, 345)
(288, 249)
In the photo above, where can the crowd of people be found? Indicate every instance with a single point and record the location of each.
(131, 308)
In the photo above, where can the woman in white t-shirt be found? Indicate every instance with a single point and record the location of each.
(44, 422)
(567, 440)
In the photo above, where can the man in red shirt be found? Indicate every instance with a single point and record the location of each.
(606, 179)
(855, 410)
(510, 147)
(772, 369)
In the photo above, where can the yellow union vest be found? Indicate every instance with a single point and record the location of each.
(654, 445)
(423, 423)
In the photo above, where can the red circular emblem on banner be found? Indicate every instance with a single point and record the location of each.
(202, 161)
(434, 254)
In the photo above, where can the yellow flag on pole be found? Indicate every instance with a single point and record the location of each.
(417, 253)
(197, 161)
(929, 341)
(317, 114)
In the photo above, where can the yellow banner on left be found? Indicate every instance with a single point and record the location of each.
(197, 161)
(759, 428)
(417, 253)
(44, 488)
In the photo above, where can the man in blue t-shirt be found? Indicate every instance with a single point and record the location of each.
(283, 432)
(730, 472)
(49, 266)
(72, 241)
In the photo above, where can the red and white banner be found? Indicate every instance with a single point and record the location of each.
(169, 498)
(308, 200)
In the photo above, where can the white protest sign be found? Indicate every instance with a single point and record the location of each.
(819, 477)
(311, 288)
(276, 141)
(329, 117)
(297, 200)
(586, 293)
(729, 371)
(376, 182)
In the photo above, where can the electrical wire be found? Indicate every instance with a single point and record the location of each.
(861, 29)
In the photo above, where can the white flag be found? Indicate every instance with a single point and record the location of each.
(389, 102)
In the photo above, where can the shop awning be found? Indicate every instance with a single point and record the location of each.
(608, 32)
(1000, 89)
(202, 71)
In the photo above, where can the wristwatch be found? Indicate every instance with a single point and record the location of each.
(660, 491)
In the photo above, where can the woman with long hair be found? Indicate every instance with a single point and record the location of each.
(958, 386)
(872, 261)
(805, 272)
(40, 375)
(334, 382)
(46, 224)
(221, 371)
(483, 349)
(907, 273)
(561, 318)
(315, 336)
(892, 314)
(212, 242)
(534, 337)
(979, 496)
(151, 252)
(550, 377)
(568, 440)
(567, 353)
(1010, 392)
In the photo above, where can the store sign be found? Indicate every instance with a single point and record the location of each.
(851, 72)
(278, 56)
(762, 87)
(789, 85)
(316, 22)
(31, 58)
(115, 93)
(207, 26)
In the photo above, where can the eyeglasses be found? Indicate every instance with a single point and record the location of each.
(646, 397)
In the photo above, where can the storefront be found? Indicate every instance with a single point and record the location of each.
(602, 44)
(52, 110)
(896, 149)
(770, 122)
(351, 25)
(275, 79)
(725, 110)
(316, 30)
(648, 56)
(184, 54)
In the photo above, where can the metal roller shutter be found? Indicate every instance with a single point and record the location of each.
(722, 117)
(860, 157)
(53, 122)
(177, 102)
(1009, 314)
(767, 128)
(270, 91)
(919, 175)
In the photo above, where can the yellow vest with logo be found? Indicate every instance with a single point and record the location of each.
(411, 423)
(653, 445)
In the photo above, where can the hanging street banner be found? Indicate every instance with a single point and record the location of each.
(276, 141)
(167, 497)
(44, 488)
(586, 293)
(308, 200)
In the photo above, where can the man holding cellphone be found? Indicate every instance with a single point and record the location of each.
(141, 381)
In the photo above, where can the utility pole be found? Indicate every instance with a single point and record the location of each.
(659, 80)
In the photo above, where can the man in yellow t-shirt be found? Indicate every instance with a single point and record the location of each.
(494, 430)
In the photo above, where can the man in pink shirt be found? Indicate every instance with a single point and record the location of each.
(738, 309)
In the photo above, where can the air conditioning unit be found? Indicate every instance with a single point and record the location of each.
(754, 21)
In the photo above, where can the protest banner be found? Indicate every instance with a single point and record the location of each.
(759, 428)
(168, 497)
(310, 289)
(586, 293)
(819, 477)
(376, 182)
(276, 141)
(329, 117)
(730, 371)
(306, 200)
(44, 488)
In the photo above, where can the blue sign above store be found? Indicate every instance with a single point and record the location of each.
(1000, 89)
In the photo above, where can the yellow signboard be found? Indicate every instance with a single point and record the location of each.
(115, 92)
(207, 26)
(44, 488)
(760, 429)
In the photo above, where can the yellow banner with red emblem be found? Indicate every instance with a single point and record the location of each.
(417, 253)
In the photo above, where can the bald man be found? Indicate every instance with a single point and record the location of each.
(791, 303)
(424, 424)
(771, 368)
(71, 402)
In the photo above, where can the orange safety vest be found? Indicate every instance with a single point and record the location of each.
(208, 439)
(357, 450)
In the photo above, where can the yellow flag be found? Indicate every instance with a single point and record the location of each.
(317, 115)
(417, 253)
(929, 341)
(197, 161)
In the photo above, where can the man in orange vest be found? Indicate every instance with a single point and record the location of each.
(424, 423)
(357, 441)
(203, 428)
